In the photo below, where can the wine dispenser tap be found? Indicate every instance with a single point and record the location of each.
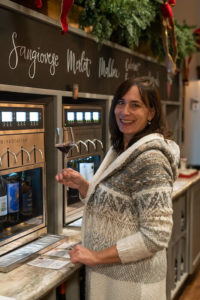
(83, 143)
(77, 148)
(91, 142)
(13, 154)
(28, 154)
(98, 141)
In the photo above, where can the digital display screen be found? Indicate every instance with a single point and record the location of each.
(95, 116)
(88, 116)
(7, 116)
(79, 116)
(20, 116)
(34, 116)
(70, 116)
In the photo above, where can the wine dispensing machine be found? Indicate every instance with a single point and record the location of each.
(22, 170)
(87, 124)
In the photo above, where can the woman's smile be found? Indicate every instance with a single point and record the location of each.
(126, 121)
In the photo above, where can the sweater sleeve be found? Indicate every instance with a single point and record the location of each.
(151, 197)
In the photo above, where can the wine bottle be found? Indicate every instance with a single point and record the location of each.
(182, 223)
(3, 200)
(182, 266)
(26, 196)
(13, 197)
(61, 292)
(175, 271)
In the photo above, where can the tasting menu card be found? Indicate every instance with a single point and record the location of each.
(48, 263)
(59, 251)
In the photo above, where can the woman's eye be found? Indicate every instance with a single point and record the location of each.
(135, 105)
(120, 102)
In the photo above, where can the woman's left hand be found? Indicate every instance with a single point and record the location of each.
(80, 254)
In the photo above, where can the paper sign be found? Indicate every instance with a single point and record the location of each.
(47, 263)
(58, 253)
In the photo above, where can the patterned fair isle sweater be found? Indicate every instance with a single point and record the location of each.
(129, 204)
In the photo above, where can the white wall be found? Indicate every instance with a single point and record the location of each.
(190, 12)
(192, 124)
(187, 10)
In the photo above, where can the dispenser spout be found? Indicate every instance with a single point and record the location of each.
(28, 154)
(91, 142)
(98, 141)
(83, 143)
(13, 154)
(77, 148)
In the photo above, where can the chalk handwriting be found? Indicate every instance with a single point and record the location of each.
(130, 65)
(156, 79)
(108, 70)
(32, 55)
(81, 65)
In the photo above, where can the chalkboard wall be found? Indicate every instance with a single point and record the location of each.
(35, 54)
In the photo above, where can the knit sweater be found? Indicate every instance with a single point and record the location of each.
(129, 205)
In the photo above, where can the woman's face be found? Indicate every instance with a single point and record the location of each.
(132, 114)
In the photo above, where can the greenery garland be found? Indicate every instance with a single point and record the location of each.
(120, 21)
(187, 44)
(134, 24)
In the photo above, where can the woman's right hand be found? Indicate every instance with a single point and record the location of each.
(74, 180)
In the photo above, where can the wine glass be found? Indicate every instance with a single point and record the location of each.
(64, 139)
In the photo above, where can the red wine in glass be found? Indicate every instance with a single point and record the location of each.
(64, 148)
(64, 139)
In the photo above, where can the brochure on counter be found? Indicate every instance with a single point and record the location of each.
(58, 252)
(61, 250)
(43, 262)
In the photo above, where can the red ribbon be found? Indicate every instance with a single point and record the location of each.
(167, 12)
(66, 5)
(197, 34)
(172, 2)
(38, 3)
(168, 23)
(187, 62)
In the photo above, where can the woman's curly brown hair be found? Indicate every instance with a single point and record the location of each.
(150, 96)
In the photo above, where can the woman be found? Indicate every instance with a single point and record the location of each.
(128, 211)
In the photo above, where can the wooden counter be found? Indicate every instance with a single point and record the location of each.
(29, 283)
(182, 184)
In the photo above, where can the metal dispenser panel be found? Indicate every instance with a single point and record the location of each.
(22, 171)
(21, 135)
(86, 122)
